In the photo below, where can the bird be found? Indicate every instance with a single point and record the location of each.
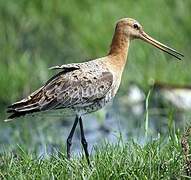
(88, 86)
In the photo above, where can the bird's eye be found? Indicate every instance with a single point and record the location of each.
(136, 26)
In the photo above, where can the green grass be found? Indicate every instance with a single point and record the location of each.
(159, 159)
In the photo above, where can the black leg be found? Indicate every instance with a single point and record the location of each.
(83, 141)
(69, 139)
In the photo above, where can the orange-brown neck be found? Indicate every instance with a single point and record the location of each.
(119, 48)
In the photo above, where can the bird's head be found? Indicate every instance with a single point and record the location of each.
(133, 30)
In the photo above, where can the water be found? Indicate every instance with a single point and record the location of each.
(124, 119)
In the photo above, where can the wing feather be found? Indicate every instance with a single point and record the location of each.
(75, 85)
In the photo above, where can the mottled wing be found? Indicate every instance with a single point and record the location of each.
(74, 86)
(32, 102)
(79, 88)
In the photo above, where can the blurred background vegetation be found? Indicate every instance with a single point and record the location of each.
(35, 35)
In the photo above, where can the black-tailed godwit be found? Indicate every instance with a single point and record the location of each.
(87, 87)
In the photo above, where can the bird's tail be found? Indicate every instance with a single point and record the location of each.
(25, 106)
(22, 110)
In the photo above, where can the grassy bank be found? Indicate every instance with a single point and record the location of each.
(161, 158)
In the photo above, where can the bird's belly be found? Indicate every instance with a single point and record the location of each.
(94, 106)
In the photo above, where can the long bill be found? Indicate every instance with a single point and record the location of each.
(145, 37)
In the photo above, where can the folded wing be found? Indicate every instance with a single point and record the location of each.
(73, 86)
